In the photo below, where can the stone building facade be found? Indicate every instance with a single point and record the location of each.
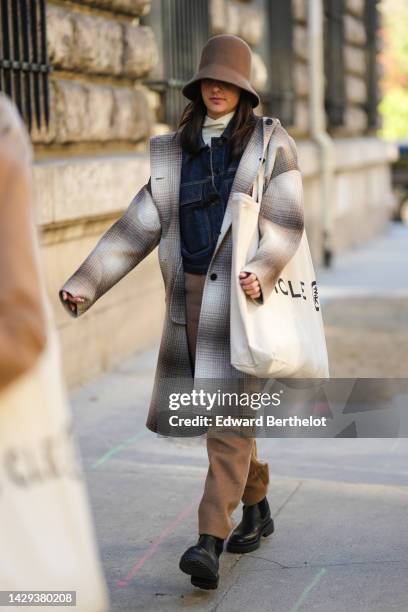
(93, 157)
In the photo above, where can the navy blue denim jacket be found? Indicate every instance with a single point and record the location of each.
(206, 181)
(205, 185)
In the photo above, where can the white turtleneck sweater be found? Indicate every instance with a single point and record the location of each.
(215, 127)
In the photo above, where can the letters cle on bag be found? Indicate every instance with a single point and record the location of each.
(288, 288)
(283, 335)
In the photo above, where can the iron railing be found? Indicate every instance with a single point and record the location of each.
(24, 66)
(279, 99)
(182, 28)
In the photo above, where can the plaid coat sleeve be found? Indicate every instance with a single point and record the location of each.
(129, 240)
(281, 217)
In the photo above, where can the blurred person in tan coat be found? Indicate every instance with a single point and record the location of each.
(43, 497)
(22, 315)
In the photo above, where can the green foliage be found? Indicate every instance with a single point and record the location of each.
(394, 105)
(394, 109)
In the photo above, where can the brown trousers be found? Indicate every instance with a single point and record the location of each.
(234, 472)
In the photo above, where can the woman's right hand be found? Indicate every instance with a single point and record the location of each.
(72, 300)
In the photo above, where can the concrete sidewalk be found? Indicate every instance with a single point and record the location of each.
(340, 506)
(365, 308)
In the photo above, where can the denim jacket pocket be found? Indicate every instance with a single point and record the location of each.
(195, 224)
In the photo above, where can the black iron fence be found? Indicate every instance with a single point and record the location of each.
(181, 28)
(24, 64)
(279, 98)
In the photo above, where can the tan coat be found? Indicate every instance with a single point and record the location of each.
(153, 220)
(22, 318)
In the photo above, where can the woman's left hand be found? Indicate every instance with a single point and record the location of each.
(250, 284)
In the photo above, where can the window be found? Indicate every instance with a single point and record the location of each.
(23, 58)
(279, 99)
(334, 62)
(371, 21)
(181, 28)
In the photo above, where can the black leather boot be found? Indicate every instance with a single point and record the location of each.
(201, 561)
(256, 522)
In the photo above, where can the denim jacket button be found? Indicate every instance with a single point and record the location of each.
(213, 276)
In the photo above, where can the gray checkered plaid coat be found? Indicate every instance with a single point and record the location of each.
(152, 220)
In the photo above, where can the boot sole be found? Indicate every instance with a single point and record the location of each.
(245, 548)
(202, 583)
(201, 575)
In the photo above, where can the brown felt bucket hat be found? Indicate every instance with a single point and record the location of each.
(225, 58)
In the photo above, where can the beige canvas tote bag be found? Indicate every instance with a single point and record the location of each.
(47, 537)
(284, 336)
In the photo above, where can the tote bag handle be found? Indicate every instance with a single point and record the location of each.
(258, 185)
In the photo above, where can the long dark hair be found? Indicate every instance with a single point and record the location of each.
(191, 122)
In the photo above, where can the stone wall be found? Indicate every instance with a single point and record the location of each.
(245, 19)
(90, 163)
(99, 58)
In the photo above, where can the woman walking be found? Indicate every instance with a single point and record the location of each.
(184, 208)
